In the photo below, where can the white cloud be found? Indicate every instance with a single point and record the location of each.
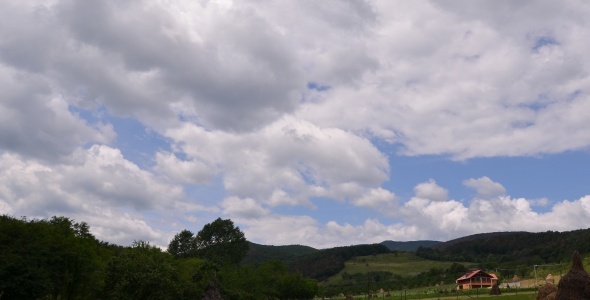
(285, 103)
(431, 190)
(193, 171)
(289, 154)
(303, 230)
(37, 122)
(444, 220)
(379, 199)
(455, 85)
(96, 185)
(282, 230)
(421, 219)
(485, 187)
(5, 209)
(468, 81)
(243, 208)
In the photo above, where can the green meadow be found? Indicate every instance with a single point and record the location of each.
(403, 263)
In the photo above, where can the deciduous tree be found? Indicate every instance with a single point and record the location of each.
(222, 242)
(183, 245)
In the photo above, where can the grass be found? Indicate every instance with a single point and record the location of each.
(404, 264)
(520, 296)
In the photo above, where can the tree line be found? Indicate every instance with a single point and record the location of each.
(511, 249)
(358, 283)
(322, 264)
(59, 258)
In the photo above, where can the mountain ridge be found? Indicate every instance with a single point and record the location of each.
(408, 246)
(514, 248)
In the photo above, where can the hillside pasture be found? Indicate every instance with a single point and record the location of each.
(402, 263)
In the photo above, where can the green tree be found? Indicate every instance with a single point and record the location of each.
(142, 272)
(53, 259)
(193, 277)
(183, 245)
(221, 242)
(23, 272)
(293, 286)
(74, 265)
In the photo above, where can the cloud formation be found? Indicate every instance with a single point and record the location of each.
(278, 115)
(485, 187)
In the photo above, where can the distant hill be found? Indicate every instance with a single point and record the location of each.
(324, 263)
(486, 249)
(308, 261)
(259, 254)
(512, 247)
(477, 237)
(410, 246)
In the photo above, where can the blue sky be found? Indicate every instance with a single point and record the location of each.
(322, 123)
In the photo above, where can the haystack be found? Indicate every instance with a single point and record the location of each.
(547, 292)
(549, 279)
(576, 283)
(495, 290)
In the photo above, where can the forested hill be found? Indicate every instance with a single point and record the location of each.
(325, 263)
(475, 237)
(512, 247)
(410, 246)
(308, 261)
(259, 254)
(59, 258)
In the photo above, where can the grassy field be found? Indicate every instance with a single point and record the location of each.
(520, 296)
(404, 264)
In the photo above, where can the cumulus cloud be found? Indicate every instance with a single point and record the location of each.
(485, 187)
(285, 104)
(455, 85)
(144, 58)
(96, 185)
(37, 122)
(490, 211)
(289, 155)
(461, 81)
(243, 208)
(421, 219)
(431, 190)
(379, 199)
(194, 171)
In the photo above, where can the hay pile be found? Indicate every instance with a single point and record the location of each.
(549, 279)
(495, 290)
(576, 283)
(547, 292)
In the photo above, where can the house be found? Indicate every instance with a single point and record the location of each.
(476, 279)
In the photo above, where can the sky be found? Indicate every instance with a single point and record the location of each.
(322, 123)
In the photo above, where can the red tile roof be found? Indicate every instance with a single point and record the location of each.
(473, 273)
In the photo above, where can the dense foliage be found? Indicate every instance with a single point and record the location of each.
(359, 283)
(259, 254)
(512, 248)
(323, 264)
(409, 246)
(219, 241)
(60, 259)
(55, 258)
